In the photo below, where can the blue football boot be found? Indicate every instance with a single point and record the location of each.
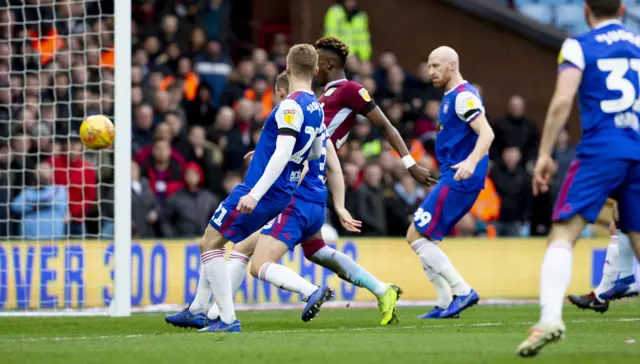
(221, 326)
(317, 299)
(622, 287)
(188, 320)
(461, 303)
(436, 313)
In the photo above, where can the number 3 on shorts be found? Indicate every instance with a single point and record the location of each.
(221, 212)
(422, 217)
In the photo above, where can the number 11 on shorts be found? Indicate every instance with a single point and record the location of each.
(221, 212)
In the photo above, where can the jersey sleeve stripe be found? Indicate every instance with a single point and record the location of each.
(470, 115)
(288, 131)
(567, 65)
(368, 108)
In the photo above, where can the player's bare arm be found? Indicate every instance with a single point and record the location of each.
(567, 85)
(390, 132)
(466, 168)
(335, 181)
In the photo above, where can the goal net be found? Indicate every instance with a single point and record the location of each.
(56, 197)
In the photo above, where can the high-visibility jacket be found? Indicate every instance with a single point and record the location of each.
(108, 58)
(46, 45)
(266, 100)
(353, 32)
(191, 83)
(487, 206)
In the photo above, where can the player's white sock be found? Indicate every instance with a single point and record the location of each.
(203, 294)
(283, 277)
(433, 257)
(348, 270)
(215, 268)
(627, 257)
(611, 267)
(555, 276)
(237, 266)
(443, 290)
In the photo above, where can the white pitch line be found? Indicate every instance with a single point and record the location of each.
(305, 331)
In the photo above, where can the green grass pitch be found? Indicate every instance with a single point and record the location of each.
(485, 334)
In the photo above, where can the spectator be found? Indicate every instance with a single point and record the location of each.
(79, 176)
(351, 25)
(197, 43)
(237, 133)
(563, 154)
(160, 106)
(162, 132)
(209, 157)
(164, 173)
(387, 61)
(200, 111)
(187, 212)
(279, 50)
(22, 160)
(239, 82)
(42, 208)
(394, 92)
(231, 180)
(215, 17)
(143, 129)
(178, 136)
(214, 68)
(144, 212)
(262, 93)
(514, 129)
(370, 208)
(512, 183)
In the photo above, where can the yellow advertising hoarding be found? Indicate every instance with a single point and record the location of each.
(80, 274)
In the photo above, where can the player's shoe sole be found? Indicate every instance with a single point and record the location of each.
(316, 300)
(589, 302)
(540, 336)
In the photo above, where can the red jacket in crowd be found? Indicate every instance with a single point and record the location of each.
(79, 176)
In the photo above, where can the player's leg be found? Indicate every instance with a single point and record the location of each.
(610, 271)
(347, 269)
(237, 266)
(288, 230)
(629, 199)
(583, 194)
(621, 281)
(265, 267)
(435, 218)
(193, 316)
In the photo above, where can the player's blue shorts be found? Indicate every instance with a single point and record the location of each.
(299, 222)
(236, 226)
(441, 210)
(588, 184)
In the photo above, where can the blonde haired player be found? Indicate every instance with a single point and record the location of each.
(289, 137)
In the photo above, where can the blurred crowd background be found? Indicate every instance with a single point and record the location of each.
(200, 97)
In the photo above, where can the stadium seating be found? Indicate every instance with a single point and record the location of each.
(568, 15)
(540, 12)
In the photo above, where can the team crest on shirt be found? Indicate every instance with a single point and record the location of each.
(365, 94)
(445, 108)
(289, 116)
(329, 92)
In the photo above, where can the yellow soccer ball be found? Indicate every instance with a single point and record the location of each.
(97, 132)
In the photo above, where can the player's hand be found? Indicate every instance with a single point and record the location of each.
(348, 222)
(247, 204)
(464, 170)
(249, 155)
(422, 175)
(542, 174)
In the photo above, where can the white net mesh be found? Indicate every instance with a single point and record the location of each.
(56, 197)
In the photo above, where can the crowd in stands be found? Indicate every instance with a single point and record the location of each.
(196, 113)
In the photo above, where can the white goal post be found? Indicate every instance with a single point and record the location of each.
(65, 211)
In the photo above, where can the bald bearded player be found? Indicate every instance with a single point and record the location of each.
(462, 147)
